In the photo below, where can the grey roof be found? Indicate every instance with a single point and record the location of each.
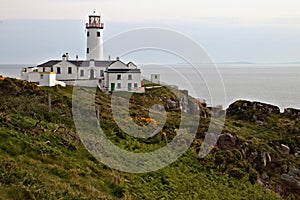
(79, 63)
(98, 63)
(49, 63)
(123, 70)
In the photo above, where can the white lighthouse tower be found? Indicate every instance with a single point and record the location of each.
(94, 32)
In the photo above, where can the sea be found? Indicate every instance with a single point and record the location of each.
(222, 84)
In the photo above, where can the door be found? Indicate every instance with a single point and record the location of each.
(112, 86)
(92, 74)
(129, 86)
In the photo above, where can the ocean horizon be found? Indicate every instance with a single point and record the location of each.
(276, 84)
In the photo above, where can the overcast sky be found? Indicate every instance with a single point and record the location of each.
(230, 30)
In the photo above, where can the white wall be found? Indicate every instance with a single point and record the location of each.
(32, 77)
(113, 78)
(47, 69)
(87, 71)
(64, 75)
(155, 78)
(47, 79)
(76, 71)
(95, 44)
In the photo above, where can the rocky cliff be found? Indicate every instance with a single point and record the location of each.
(267, 141)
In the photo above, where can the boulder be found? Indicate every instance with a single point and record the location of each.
(297, 154)
(292, 112)
(226, 141)
(294, 172)
(253, 155)
(266, 158)
(172, 104)
(265, 176)
(251, 111)
(285, 148)
(158, 107)
(291, 180)
(284, 169)
(259, 123)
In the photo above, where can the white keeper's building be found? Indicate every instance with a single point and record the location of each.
(109, 75)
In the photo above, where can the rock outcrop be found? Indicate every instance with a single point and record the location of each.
(291, 180)
(226, 141)
(273, 150)
(285, 148)
(251, 111)
(292, 112)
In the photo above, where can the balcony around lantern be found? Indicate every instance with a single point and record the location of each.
(95, 25)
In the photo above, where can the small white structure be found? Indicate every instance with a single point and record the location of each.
(49, 79)
(30, 74)
(155, 78)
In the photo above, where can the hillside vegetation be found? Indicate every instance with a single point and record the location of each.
(42, 156)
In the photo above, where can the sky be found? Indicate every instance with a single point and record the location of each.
(262, 31)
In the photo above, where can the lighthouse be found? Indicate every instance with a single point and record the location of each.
(94, 31)
(109, 75)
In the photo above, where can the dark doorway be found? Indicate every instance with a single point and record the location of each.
(112, 86)
(92, 74)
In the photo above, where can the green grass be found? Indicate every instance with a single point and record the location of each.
(42, 157)
(32, 168)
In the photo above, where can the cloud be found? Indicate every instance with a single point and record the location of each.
(233, 12)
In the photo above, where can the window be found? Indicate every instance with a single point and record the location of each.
(135, 85)
(98, 34)
(119, 85)
(69, 70)
(51, 69)
(118, 77)
(58, 70)
(88, 34)
(81, 72)
(88, 50)
(101, 73)
(44, 69)
(129, 77)
(42, 76)
(155, 76)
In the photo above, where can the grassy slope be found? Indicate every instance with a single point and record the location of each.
(42, 157)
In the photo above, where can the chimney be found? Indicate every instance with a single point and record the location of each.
(64, 57)
(118, 58)
(67, 56)
(76, 57)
